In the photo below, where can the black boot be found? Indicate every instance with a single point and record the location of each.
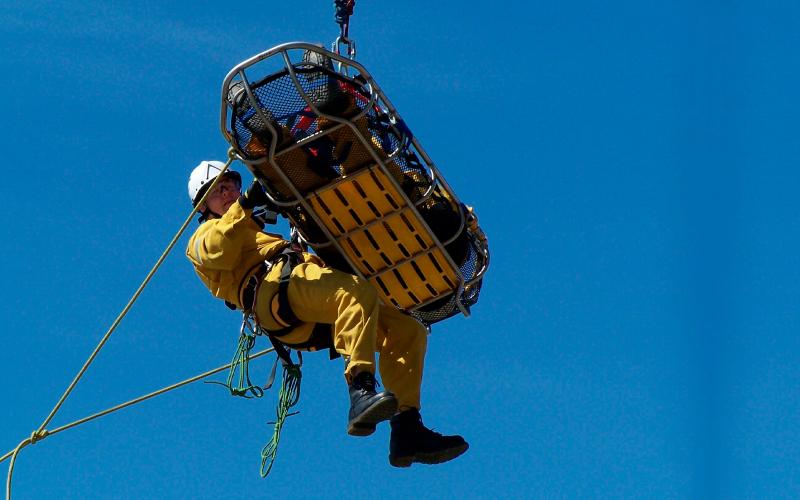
(413, 442)
(367, 408)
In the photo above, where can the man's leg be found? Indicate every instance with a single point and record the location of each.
(350, 304)
(402, 341)
(321, 295)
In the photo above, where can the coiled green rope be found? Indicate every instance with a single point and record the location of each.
(239, 384)
(240, 369)
(287, 398)
(240, 364)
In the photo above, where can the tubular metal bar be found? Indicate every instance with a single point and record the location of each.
(455, 294)
(298, 196)
(376, 95)
(375, 91)
(484, 265)
(285, 150)
(330, 187)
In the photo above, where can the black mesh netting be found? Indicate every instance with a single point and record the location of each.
(275, 111)
(446, 307)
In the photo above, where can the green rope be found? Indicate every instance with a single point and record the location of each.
(240, 364)
(240, 369)
(287, 398)
(239, 384)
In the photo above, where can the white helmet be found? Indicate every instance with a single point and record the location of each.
(204, 174)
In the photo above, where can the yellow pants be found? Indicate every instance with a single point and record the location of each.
(362, 325)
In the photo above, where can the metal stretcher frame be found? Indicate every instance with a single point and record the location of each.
(377, 100)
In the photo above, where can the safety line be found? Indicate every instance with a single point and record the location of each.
(144, 398)
(105, 412)
(41, 432)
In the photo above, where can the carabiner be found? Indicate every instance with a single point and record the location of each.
(351, 46)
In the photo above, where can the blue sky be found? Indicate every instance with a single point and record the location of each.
(634, 165)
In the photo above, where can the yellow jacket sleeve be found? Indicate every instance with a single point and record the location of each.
(218, 243)
(224, 250)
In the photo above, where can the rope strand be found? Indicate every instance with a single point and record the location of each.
(132, 300)
(41, 432)
(288, 397)
(39, 435)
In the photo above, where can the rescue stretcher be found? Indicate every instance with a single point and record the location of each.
(339, 162)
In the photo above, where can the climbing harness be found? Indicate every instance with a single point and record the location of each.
(341, 164)
(280, 308)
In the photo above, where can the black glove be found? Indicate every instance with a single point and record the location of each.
(254, 196)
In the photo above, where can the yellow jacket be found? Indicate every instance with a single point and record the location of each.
(224, 251)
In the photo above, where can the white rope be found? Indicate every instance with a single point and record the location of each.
(41, 432)
(39, 435)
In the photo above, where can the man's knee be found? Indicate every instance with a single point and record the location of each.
(420, 334)
(360, 290)
(416, 333)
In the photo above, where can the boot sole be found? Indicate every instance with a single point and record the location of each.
(432, 458)
(364, 424)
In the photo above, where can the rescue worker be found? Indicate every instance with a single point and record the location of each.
(315, 307)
